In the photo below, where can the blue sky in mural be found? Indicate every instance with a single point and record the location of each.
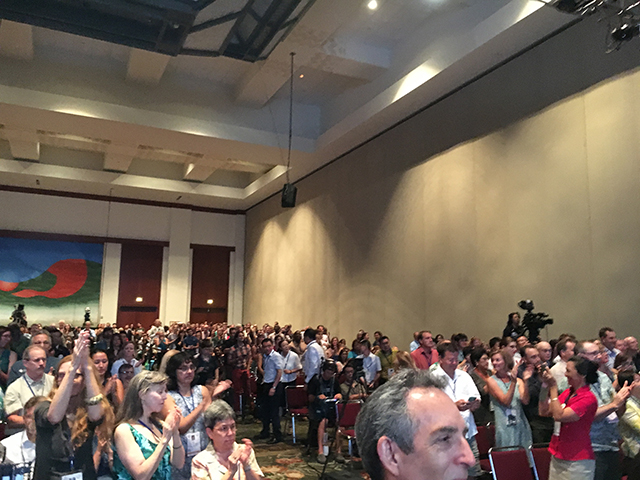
(21, 260)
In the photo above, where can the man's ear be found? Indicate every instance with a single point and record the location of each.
(390, 455)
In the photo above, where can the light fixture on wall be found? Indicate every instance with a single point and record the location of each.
(210, 301)
(622, 16)
(139, 299)
(289, 190)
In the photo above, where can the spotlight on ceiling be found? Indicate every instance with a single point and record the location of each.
(373, 4)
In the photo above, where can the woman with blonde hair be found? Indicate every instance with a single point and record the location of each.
(403, 361)
(66, 423)
(146, 447)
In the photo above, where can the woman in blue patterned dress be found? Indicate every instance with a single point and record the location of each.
(508, 394)
(146, 447)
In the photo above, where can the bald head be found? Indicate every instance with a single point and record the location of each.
(544, 349)
(632, 345)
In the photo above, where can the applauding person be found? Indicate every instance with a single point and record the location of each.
(66, 423)
(146, 447)
(224, 459)
(508, 394)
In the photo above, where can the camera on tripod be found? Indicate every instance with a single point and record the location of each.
(532, 322)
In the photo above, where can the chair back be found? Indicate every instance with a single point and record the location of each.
(296, 397)
(484, 440)
(348, 418)
(542, 459)
(511, 463)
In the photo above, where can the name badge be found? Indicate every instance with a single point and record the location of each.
(612, 418)
(193, 443)
(390, 372)
(77, 475)
(512, 419)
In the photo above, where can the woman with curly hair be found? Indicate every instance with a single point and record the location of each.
(67, 422)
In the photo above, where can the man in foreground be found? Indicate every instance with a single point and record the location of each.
(410, 429)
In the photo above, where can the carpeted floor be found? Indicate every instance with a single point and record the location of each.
(285, 460)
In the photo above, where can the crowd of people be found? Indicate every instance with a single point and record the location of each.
(129, 402)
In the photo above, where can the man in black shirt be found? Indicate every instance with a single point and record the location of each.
(541, 427)
(207, 365)
(322, 389)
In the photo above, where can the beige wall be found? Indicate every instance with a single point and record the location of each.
(406, 233)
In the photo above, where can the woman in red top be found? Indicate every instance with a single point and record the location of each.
(573, 410)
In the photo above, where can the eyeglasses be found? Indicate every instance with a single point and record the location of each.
(225, 428)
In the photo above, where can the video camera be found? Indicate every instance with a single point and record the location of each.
(532, 322)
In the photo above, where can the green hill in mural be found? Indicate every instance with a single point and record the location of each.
(87, 294)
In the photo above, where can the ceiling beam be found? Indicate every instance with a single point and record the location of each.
(146, 67)
(16, 40)
(197, 173)
(306, 40)
(118, 158)
(352, 59)
(24, 144)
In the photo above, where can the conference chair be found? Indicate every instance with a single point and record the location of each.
(542, 460)
(512, 463)
(297, 401)
(346, 415)
(485, 438)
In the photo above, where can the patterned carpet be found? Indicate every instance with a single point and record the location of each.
(285, 461)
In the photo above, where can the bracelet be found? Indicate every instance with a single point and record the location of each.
(178, 447)
(94, 400)
(553, 399)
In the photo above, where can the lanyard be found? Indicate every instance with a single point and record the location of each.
(148, 428)
(32, 392)
(189, 407)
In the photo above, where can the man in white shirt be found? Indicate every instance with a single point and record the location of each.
(21, 447)
(270, 396)
(370, 364)
(460, 388)
(291, 366)
(415, 344)
(313, 356)
(33, 383)
(565, 348)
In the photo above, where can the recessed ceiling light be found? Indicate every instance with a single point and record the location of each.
(210, 301)
(138, 299)
(373, 4)
(302, 75)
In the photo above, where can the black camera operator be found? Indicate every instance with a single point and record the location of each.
(324, 391)
(513, 328)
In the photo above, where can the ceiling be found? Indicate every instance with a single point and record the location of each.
(84, 116)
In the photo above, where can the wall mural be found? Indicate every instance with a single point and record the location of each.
(53, 280)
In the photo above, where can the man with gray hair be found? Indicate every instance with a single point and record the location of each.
(34, 382)
(410, 429)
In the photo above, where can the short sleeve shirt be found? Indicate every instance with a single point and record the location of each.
(574, 442)
(205, 466)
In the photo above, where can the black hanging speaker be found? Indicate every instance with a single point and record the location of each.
(289, 195)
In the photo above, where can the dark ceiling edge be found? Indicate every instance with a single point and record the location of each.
(66, 237)
(105, 198)
(431, 104)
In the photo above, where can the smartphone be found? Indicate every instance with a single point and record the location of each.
(472, 399)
